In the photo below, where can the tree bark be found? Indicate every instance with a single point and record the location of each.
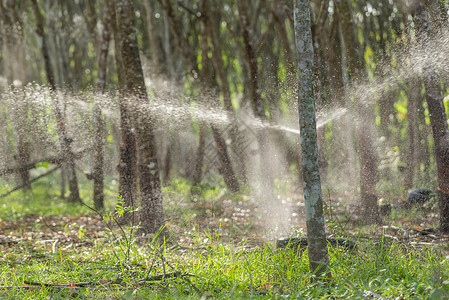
(225, 163)
(60, 122)
(206, 77)
(127, 167)
(365, 115)
(438, 117)
(16, 78)
(98, 124)
(155, 57)
(217, 59)
(151, 215)
(199, 161)
(258, 106)
(316, 235)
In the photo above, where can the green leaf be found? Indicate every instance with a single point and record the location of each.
(43, 164)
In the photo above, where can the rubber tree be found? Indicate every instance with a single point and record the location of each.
(15, 71)
(190, 59)
(128, 153)
(212, 21)
(151, 214)
(65, 140)
(98, 124)
(365, 114)
(316, 234)
(437, 114)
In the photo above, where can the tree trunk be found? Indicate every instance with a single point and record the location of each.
(225, 163)
(344, 152)
(127, 167)
(438, 118)
(98, 125)
(267, 182)
(167, 164)
(199, 161)
(155, 57)
(206, 77)
(365, 115)
(16, 78)
(412, 162)
(60, 122)
(151, 215)
(316, 235)
(212, 24)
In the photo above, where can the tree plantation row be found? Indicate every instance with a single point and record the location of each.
(133, 94)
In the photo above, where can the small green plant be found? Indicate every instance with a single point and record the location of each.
(127, 237)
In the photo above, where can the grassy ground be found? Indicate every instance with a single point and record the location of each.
(218, 249)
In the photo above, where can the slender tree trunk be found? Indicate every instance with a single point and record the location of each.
(98, 121)
(316, 235)
(413, 100)
(438, 118)
(205, 72)
(206, 77)
(155, 57)
(199, 161)
(167, 164)
(217, 58)
(225, 163)
(257, 103)
(365, 115)
(344, 152)
(412, 162)
(15, 73)
(127, 167)
(64, 138)
(151, 215)
(424, 147)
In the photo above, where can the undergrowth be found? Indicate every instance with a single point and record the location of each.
(211, 268)
(43, 257)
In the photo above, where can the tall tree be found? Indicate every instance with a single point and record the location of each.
(151, 214)
(256, 101)
(316, 234)
(364, 112)
(98, 125)
(343, 152)
(15, 74)
(437, 113)
(65, 140)
(212, 23)
(190, 58)
(128, 153)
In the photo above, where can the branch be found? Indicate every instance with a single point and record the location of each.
(188, 9)
(165, 276)
(29, 182)
(32, 164)
(64, 285)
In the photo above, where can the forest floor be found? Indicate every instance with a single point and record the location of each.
(220, 246)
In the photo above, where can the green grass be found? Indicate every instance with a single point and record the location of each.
(58, 252)
(228, 271)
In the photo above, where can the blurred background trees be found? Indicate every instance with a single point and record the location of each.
(215, 97)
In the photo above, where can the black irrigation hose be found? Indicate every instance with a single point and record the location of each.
(302, 243)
